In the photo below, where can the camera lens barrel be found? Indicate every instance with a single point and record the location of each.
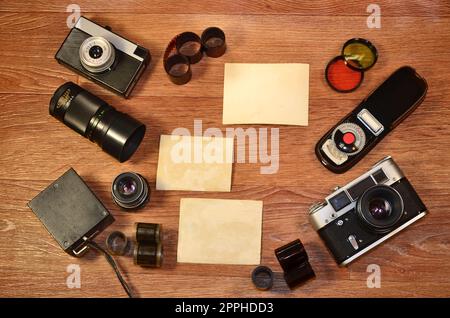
(117, 133)
(130, 191)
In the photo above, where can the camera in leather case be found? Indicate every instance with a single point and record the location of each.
(366, 212)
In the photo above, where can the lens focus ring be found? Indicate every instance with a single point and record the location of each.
(96, 54)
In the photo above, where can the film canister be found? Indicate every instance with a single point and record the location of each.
(178, 69)
(294, 261)
(189, 44)
(187, 48)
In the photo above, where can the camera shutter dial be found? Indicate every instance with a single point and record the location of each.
(349, 138)
(97, 54)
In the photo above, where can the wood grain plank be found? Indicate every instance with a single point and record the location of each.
(304, 40)
(306, 8)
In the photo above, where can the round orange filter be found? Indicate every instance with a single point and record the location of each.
(341, 77)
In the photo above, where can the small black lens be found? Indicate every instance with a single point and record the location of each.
(115, 132)
(379, 208)
(130, 191)
(127, 187)
(95, 52)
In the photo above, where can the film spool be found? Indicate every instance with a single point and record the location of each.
(117, 243)
(187, 48)
(189, 45)
(178, 69)
(262, 278)
(213, 42)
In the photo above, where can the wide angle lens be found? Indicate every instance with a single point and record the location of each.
(130, 190)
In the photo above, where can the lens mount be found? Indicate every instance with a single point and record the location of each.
(380, 208)
(97, 54)
(130, 191)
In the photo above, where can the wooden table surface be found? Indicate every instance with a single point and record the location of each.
(36, 148)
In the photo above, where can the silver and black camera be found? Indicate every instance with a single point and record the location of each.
(366, 212)
(103, 56)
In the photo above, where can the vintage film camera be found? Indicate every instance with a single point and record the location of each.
(103, 56)
(366, 212)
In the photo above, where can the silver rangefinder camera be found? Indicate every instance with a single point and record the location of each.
(361, 215)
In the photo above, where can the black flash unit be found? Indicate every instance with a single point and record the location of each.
(378, 114)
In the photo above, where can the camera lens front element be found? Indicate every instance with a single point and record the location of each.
(380, 208)
(130, 190)
(97, 54)
(127, 187)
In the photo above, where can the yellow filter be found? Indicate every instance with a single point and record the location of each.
(359, 54)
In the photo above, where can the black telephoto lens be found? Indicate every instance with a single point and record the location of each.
(130, 191)
(117, 133)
